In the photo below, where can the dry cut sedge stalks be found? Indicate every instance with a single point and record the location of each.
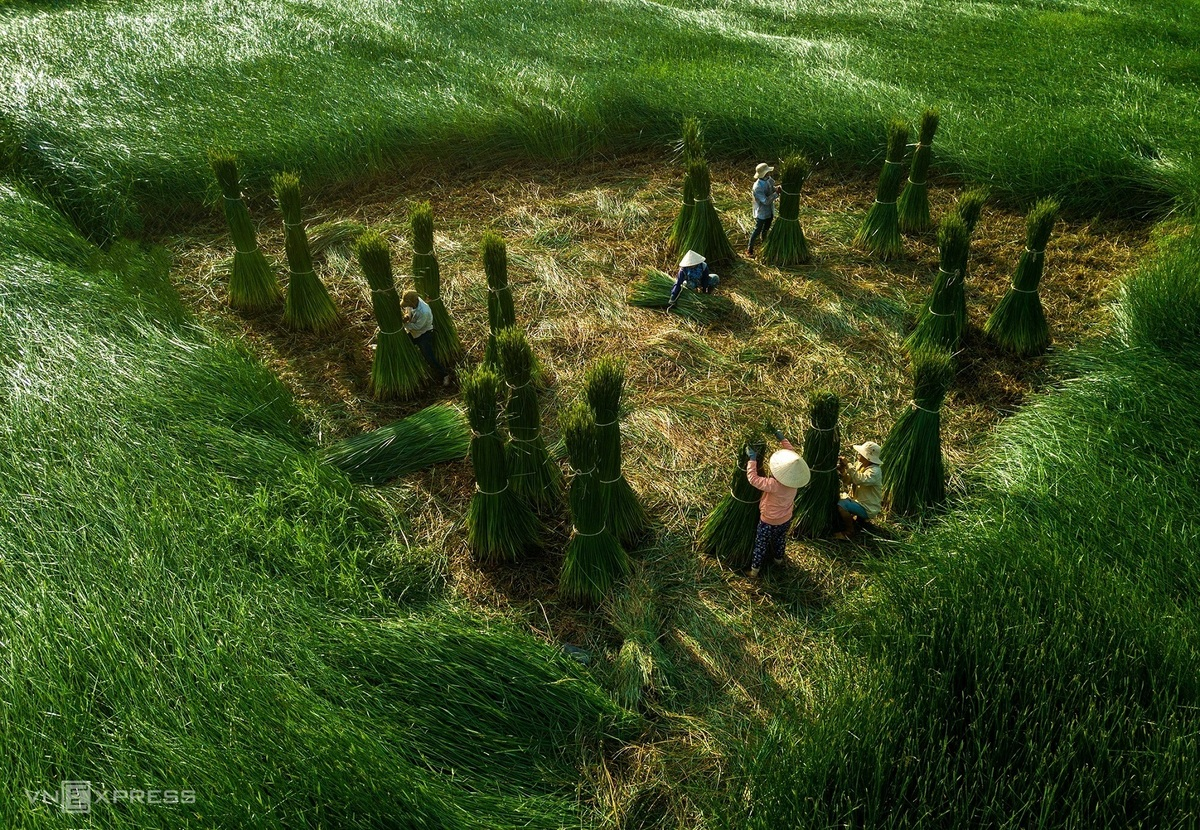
(308, 305)
(595, 559)
(427, 277)
(939, 324)
(501, 312)
(914, 474)
(531, 472)
(704, 233)
(816, 504)
(500, 525)
(786, 246)
(653, 290)
(623, 513)
(435, 434)
(913, 205)
(252, 285)
(1019, 323)
(879, 234)
(398, 371)
(728, 532)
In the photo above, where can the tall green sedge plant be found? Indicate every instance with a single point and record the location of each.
(501, 312)
(308, 306)
(704, 233)
(728, 532)
(816, 504)
(252, 285)
(879, 234)
(1019, 323)
(914, 476)
(399, 371)
(428, 280)
(623, 511)
(786, 246)
(939, 324)
(531, 472)
(913, 204)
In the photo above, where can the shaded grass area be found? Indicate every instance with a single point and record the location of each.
(110, 105)
(189, 599)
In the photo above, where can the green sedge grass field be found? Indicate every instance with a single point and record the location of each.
(192, 598)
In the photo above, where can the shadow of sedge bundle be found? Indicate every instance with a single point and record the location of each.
(623, 513)
(879, 233)
(595, 559)
(252, 285)
(653, 290)
(1019, 323)
(913, 471)
(501, 526)
(398, 371)
(501, 312)
(912, 208)
(308, 305)
(816, 504)
(704, 233)
(728, 532)
(435, 434)
(427, 278)
(531, 472)
(786, 246)
(939, 324)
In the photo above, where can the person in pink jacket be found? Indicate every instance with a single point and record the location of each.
(788, 474)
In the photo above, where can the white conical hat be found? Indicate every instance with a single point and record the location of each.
(870, 451)
(789, 468)
(689, 259)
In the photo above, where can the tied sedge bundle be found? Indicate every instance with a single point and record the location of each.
(691, 145)
(913, 206)
(691, 148)
(728, 532)
(531, 473)
(816, 504)
(329, 235)
(436, 434)
(704, 233)
(940, 324)
(399, 371)
(913, 471)
(682, 219)
(501, 313)
(880, 231)
(969, 208)
(1019, 324)
(633, 673)
(786, 246)
(308, 306)
(653, 290)
(427, 277)
(500, 525)
(252, 285)
(623, 512)
(595, 559)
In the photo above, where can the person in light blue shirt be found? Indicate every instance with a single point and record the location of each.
(418, 322)
(694, 273)
(765, 192)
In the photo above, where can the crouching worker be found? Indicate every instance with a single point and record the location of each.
(418, 322)
(864, 484)
(693, 271)
(789, 472)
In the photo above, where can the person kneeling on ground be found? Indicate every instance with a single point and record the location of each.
(693, 271)
(864, 483)
(418, 322)
(789, 472)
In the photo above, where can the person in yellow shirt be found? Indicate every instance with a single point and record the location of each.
(863, 499)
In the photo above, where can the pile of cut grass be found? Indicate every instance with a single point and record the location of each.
(434, 435)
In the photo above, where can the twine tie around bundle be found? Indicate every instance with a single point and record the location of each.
(923, 409)
(577, 532)
(480, 490)
(733, 495)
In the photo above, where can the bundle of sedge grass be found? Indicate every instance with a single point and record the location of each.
(1019, 324)
(501, 312)
(704, 233)
(816, 504)
(653, 290)
(595, 559)
(879, 234)
(427, 278)
(691, 148)
(436, 434)
(308, 306)
(786, 246)
(914, 474)
(682, 219)
(501, 526)
(252, 285)
(728, 532)
(633, 673)
(531, 473)
(940, 325)
(691, 145)
(913, 206)
(969, 208)
(399, 370)
(623, 512)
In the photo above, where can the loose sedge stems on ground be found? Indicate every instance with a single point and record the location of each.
(398, 371)
(501, 526)
(308, 305)
(1019, 323)
(816, 504)
(786, 246)
(653, 290)
(531, 472)
(435, 434)
(939, 324)
(329, 235)
(623, 513)
(728, 532)
(427, 278)
(913, 205)
(595, 559)
(914, 475)
(252, 285)
(879, 234)
(704, 233)
(501, 313)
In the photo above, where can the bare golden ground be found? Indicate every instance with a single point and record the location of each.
(576, 239)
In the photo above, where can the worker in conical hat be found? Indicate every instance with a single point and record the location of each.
(789, 472)
(693, 271)
(863, 499)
